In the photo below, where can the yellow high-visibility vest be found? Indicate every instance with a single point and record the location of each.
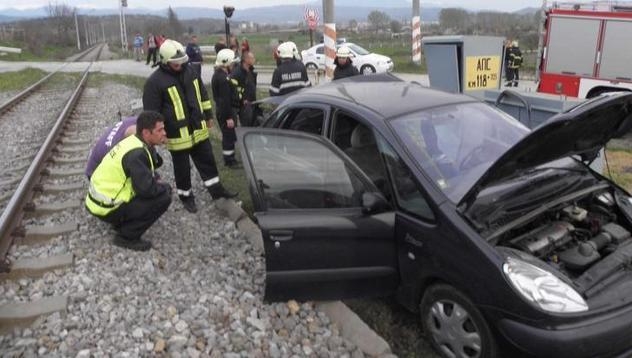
(109, 186)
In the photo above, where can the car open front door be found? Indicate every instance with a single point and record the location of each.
(327, 233)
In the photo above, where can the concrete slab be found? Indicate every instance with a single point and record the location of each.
(36, 267)
(64, 172)
(48, 208)
(72, 160)
(22, 314)
(73, 149)
(60, 188)
(36, 234)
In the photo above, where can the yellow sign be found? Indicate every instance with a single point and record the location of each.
(481, 72)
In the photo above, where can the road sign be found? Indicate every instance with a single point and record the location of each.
(311, 17)
(482, 72)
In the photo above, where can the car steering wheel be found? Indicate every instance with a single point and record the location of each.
(472, 158)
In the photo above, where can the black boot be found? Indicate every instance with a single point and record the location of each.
(189, 203)
(136, 244)
(218, 191)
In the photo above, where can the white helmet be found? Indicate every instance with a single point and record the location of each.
(225, 57)
(343, 52)
(173, 52)
(288, 49)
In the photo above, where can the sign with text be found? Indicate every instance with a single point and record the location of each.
(481, 72)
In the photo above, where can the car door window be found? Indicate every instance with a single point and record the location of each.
(301, 173)
(310, 120)
(358, 141)
(409, 196)
(320, 50)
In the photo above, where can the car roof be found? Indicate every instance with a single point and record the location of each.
(388, 97)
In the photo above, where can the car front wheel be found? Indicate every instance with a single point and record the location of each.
(454, 325)
(367, 69)
(311, 66)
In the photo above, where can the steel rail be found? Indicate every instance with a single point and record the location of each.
(13, 213)
(15, 99)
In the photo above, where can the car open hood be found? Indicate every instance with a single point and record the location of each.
(583, 131)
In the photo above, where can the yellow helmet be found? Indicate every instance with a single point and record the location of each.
(173, 52)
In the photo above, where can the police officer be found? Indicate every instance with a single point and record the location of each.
(124, 190)
(344, 65)
(291, 74)
(176, 91)
(514, 62)
(226, 104)
(244, 78)
(195, 55)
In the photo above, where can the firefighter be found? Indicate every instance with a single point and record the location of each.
(226, 104)
(124, 190)
(244, 78)
(291, 74)
(344, 65)
(176, 91)
(513, 58)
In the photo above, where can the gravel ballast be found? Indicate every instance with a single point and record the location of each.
(198, 292)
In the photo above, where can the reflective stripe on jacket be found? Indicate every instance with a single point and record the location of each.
(109, 185)
(184, 102)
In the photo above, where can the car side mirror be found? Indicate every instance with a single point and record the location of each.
(373, 203)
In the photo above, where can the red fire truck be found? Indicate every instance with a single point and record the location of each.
(587, 49)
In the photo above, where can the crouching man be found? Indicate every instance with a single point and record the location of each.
(124, 190)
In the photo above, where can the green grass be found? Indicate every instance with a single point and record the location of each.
(45, 53)
(18, 80)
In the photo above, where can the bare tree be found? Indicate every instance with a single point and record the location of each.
(62, 17)
(379, 20)
(175, 27)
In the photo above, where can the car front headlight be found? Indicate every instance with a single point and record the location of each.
(542, 288)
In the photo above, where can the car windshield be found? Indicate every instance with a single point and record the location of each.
(357, 49)
(456, 144)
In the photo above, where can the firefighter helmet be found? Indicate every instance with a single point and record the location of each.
(343, 52)
(173, 52)
(225, 57)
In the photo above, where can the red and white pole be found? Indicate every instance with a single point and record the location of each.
(330, 37)
(416, 26)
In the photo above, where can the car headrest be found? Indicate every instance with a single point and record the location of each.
(362, 137)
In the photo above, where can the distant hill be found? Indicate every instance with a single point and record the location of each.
(345, 10)
(4, 18)
(527, 11)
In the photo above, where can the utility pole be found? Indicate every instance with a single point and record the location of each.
(330, 37)
(538, 61)
(122, 6)
(102, 33)
(77, 31)
(85, 30)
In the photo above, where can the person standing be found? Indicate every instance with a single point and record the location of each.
(176, 91)
(514, 62)
(195, 55)
(226, 102)
(275, 53)
(344, 65)
(111, 137)
(245, 46)
(220, 44)
(291, 74)
(244, 78)
(151, 49)
(124, 190)
(138, 46)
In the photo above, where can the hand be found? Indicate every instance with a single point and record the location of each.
(230, 123)
(209, 123)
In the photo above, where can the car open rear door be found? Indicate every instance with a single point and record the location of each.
(327, 234)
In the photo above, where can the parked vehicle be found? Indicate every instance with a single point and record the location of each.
(365, 61)
(587, 49)
(500, 237)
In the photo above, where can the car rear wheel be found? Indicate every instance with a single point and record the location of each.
(367, 69)
(311, 66)
(454, 325)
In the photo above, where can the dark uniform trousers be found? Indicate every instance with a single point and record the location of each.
(228, 141)
(203, 159)
(132, 219)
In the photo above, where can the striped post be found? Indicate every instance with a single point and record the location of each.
(416, 40)
(330, 49)
(416, 26)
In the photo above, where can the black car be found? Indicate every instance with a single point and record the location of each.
(499, 236)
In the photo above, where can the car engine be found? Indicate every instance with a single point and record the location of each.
(574, 237)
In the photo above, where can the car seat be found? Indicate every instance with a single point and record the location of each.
(365, 154)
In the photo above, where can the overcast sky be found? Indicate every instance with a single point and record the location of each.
(501, 5)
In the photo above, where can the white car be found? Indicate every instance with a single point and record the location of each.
(365, 61)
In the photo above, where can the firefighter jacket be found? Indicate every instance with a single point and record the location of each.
(183, 101)
(224, 94)
(514, 57)
(289, 76)
(346, 70)
(126, 171)
(245, 83)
